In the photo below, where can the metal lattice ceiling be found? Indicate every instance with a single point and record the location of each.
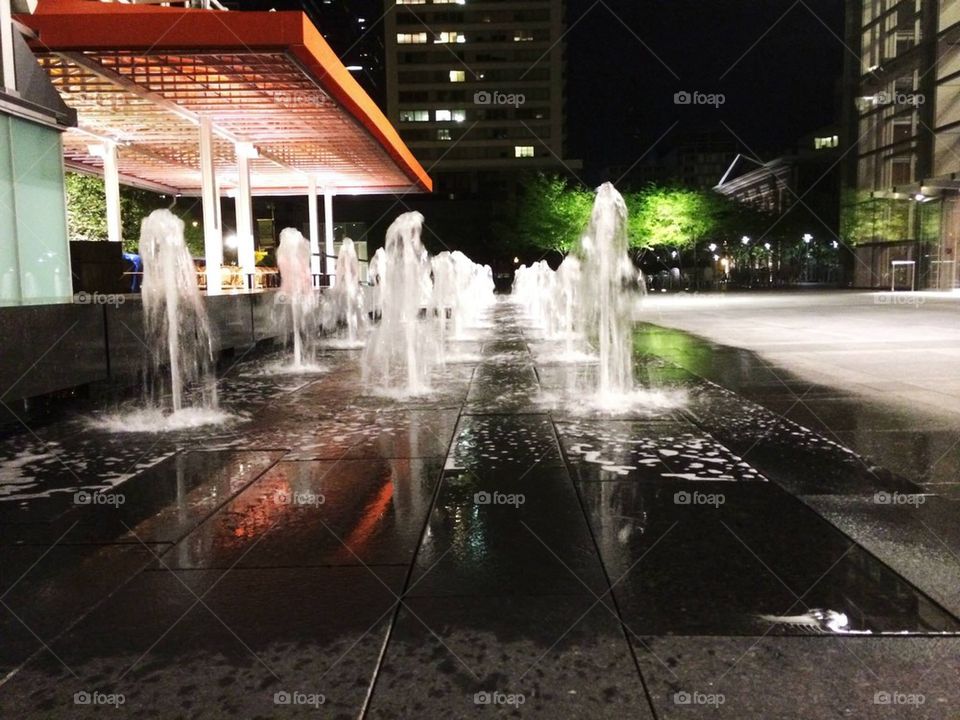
(149, 103)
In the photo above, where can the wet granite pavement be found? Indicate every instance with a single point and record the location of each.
(730, 547)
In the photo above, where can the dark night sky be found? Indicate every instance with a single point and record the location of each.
(620, 97)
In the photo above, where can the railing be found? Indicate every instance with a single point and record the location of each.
(265, 278)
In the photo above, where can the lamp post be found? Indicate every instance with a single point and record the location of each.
(807, 239)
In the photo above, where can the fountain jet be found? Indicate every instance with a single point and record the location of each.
(296, 292)
(175, 318)
(401, 350)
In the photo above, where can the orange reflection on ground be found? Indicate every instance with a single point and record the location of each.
(372, 514)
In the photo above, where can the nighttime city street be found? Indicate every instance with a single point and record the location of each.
(480, 358)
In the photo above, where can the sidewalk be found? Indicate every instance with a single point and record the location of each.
(902, 348)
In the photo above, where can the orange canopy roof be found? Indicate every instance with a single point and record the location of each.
(143, 76)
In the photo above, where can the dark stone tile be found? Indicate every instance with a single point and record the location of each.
(794, 677)
(803, 461)
(923, 456)
(302, 514)
(739, 370)
(565, 655)
(353, 432)
(833, 415)
(728, 558)
(503, 388)
(161, 504)
(510, 533)
(255, 633)
(648, 451)
(916, 535)
(44, 588)
(40, 478)
(490, 444)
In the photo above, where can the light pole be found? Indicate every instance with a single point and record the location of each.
(807, 239)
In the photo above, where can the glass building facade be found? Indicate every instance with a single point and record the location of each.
(901, 204)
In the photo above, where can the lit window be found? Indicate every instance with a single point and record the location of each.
(411, 38)
(830, 141)
(450, 115)
(522, 36)
(412, 2)
(458, 76)
(451, 36)
(449, 2)
(414, 116)
(444, 134)
(523, 151)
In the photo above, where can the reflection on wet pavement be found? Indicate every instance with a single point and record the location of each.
(493, 543)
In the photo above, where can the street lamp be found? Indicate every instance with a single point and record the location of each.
(807, 237)
(712, 247)
(745, 240)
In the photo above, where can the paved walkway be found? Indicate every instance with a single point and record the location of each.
(494, 550)
(902, 348)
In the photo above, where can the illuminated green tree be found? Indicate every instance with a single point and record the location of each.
(670, 217)
(866, 219)
(87, 212)
(552, 213)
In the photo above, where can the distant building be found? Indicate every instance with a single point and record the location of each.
(903, 117)
(693, 160)
(477, 89)
(807, 179)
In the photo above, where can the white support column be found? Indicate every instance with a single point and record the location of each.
(6, 43)
(313, 200)
(328, 233)
(111, 186)
(244, 204)
(212, 233)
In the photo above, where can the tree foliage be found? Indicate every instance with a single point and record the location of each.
(87, 212)
(671, 217)
(552, 214)
(867, 219)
